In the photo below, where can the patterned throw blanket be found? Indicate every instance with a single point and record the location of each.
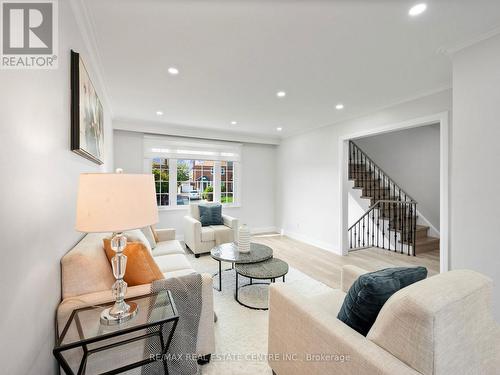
(186, 293)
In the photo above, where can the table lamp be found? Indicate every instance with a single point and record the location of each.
(116, 202)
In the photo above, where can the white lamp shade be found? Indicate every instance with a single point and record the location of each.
(115, 202)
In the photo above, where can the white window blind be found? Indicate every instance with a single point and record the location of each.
(187, 148)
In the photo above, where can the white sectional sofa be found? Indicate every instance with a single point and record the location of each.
(87, 279)
(442, 325)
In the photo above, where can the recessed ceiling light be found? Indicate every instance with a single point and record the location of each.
(279, 129)
(173, 71)
(234, 122)
(281, 94)
(339, 106)
(417, 9)
(159, 113)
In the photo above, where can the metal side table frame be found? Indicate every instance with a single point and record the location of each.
(88, 339)
(228, 252)
(270, 269)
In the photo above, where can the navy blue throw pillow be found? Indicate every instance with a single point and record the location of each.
(211, 215)
(370, 291)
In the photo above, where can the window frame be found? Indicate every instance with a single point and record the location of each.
(216, 183)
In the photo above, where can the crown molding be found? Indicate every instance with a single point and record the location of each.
(451, 50)
(86, 27)
(162, 128)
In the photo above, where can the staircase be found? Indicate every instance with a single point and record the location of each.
(391, 221)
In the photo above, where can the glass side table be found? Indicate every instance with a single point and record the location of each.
(87, 347)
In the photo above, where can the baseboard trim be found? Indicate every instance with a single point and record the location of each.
(311, 241)
(255, 231)
(263, 230)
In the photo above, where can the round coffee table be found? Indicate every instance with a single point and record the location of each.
(269, 269)
(228, 252)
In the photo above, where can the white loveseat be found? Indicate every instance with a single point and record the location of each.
(201, 239)
(442, 325)
(87, 279)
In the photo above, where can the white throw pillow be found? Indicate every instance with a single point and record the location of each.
(149, 236)
(137, 235)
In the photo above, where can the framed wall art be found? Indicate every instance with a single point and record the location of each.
(87, 118)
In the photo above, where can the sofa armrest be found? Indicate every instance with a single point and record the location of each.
(230, 222)
(304, 338)
(349, 275)
(167, 234)
(192, 232)
(206, 330)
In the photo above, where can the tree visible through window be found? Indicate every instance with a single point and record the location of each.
(161, 172)
(194, 181)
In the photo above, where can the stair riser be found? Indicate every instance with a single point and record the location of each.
(368, 184)
(382, 197)
(422, 234)
(372, 186)
(427, 247)
(396, 221)
(376, 192)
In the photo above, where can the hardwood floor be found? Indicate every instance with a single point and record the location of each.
(326, 267)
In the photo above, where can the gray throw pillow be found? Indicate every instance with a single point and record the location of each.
(211, 215)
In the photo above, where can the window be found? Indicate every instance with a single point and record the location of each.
(194, 181)
(222, 171)
(161, 171)
(204, 178)
(189, 170)
(227, 182)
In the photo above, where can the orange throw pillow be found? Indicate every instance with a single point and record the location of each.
(141, 267)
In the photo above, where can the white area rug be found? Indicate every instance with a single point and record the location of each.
(241, 333)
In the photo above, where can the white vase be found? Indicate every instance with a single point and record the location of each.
(244, 239)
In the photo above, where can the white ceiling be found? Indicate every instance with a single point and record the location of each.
(234, 56)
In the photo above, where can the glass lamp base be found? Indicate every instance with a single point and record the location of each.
(112, 319)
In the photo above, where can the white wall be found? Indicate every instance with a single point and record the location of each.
(309, 180)
(128, 151)
(411, 158)
(357, 206)
(475, 180)
(38, 196)
(257, 182)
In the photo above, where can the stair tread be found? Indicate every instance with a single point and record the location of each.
(370, 197)
(420, 228)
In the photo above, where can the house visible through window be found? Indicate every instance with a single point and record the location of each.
(192, 170)
(194, 181)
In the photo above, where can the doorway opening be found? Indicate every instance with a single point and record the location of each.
(394, 190)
